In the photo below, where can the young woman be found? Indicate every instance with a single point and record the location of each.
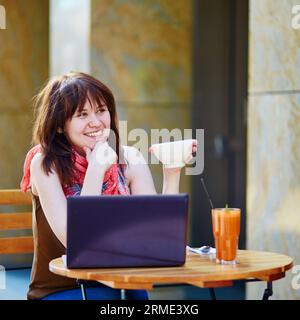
(75, 119)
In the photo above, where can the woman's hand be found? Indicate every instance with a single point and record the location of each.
(102, 155)
(194, 149)
(172, 175)
(186, 160)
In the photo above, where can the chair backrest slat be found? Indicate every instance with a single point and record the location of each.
(17, 220)
(11, 221)
(16, 245)
(14, 196)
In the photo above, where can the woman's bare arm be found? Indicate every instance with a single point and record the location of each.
(52, 198)
(141, 181)
(141, 178)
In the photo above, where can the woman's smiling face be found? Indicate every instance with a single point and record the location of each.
(88, 126)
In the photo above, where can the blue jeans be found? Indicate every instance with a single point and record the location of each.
(99, 292)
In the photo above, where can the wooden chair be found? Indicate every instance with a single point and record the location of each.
(16, 249)
(16, 220)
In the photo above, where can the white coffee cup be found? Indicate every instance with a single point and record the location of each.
(173, 154)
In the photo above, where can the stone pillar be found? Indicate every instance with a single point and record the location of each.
(142, 51)
(69, 36)
(273, 187)
(23, 69)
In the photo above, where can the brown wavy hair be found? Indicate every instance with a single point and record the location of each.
(54, 106)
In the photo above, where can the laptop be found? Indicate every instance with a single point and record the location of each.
(126, 231)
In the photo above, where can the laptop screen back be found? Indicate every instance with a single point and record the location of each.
(126, 231)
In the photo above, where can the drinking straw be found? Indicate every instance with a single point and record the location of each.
(207, 194)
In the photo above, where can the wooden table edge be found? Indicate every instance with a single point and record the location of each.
(135, 282)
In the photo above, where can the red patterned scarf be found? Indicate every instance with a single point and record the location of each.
(114, 181)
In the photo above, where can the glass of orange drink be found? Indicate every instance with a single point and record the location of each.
(226, 230)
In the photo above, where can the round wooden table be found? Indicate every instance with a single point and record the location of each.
(199, 270)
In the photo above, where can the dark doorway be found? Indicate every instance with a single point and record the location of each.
(220, 74)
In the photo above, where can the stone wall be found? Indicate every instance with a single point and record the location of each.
(142, 51)
(273, 187)
(23, 69)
